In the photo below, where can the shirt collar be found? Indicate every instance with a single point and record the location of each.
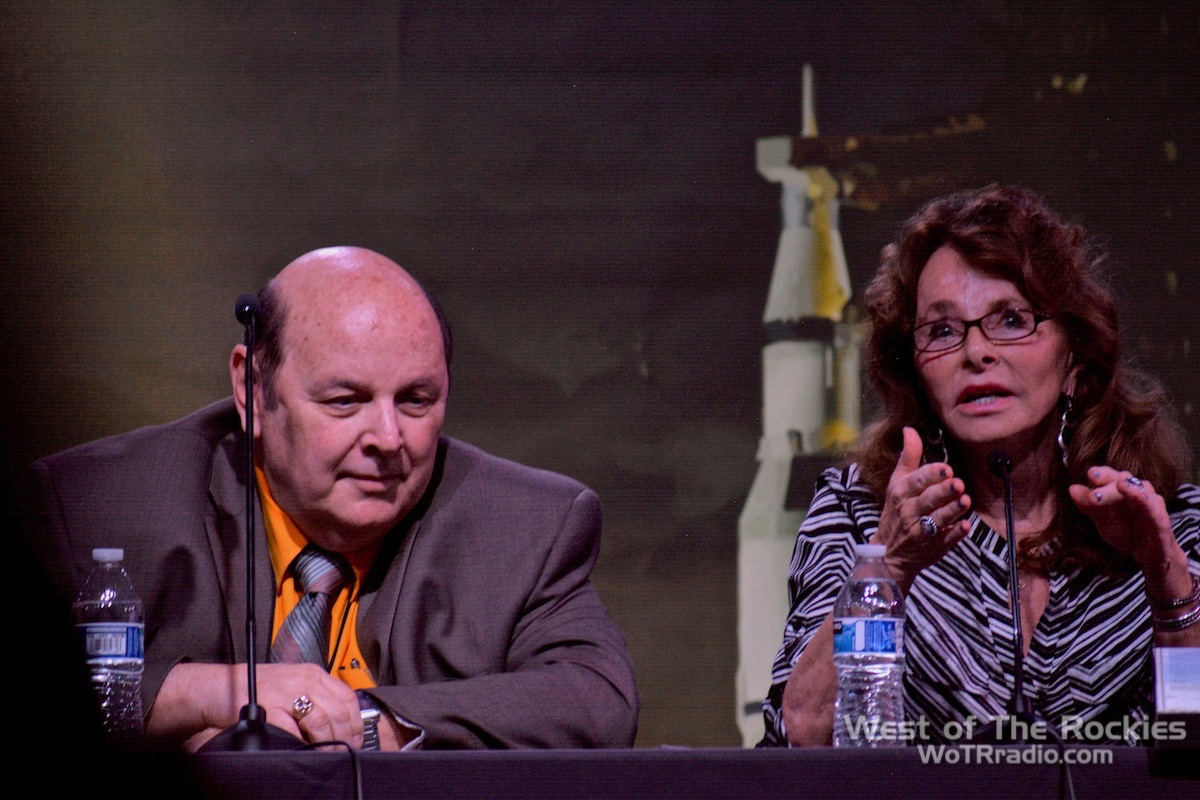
(285, 540)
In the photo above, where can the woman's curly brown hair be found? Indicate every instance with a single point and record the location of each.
(1120, 416)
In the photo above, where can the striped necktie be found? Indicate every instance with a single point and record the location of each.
(304, 635)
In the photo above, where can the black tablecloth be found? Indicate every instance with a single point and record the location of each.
(711, 774)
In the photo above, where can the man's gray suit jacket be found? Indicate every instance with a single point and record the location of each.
(479, 621)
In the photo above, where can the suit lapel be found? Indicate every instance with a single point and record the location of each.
(379, 601)
(227, 542)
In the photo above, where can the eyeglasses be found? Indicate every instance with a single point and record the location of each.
(1005, 325)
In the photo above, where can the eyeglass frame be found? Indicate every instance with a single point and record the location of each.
(1038, 318)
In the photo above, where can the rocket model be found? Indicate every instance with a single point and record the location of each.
(811, 404)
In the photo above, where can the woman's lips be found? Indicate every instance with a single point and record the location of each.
(984, 399)
(982, 393)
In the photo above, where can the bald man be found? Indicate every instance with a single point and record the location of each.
(466, 617)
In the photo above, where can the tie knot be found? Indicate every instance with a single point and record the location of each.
(318, 571)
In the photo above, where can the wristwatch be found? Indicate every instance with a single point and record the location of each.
(370, 717)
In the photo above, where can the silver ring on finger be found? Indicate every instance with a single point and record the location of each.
(301, 706)
(929, 526)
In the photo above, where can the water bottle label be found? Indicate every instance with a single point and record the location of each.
(868, 635)
(112, 639)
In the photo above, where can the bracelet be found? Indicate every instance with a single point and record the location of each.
(1179, 602)
(1178, 623)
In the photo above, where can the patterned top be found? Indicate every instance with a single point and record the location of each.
(1089, 668)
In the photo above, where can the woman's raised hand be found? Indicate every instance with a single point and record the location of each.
(923, 512)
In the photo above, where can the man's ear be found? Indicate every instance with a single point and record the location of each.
(237, 377)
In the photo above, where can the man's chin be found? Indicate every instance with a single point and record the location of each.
(365, 527)
(385, 487)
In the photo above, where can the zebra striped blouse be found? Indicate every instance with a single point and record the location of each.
(1089, 667)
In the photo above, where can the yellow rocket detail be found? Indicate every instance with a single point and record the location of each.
(830, 287)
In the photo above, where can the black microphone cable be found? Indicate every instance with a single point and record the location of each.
(355, 763)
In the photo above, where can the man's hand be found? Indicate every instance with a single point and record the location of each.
(198, 701)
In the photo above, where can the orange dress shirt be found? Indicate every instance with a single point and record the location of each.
(284, 542)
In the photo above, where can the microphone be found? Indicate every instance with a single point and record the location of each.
(246, 309)
(251, 732)
(1000, 465)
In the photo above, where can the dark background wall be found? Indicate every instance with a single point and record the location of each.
(576, 182)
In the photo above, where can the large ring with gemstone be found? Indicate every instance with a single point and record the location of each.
(301, 706)
(929, 526)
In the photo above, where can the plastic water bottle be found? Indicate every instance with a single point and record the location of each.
(110, 620)
(868, 653)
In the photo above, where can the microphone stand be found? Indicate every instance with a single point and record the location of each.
(1020, 715)
(251, 732)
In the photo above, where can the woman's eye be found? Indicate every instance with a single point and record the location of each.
(1011, 318)
(940, 330)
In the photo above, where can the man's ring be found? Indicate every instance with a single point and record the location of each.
(301, 706)
(1134, 482)
(929, 526)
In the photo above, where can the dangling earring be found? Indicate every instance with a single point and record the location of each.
(1064, 429)
(935, 442)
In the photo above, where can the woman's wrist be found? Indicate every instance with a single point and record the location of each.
(895, 566)
(1166, 571)
(1167, 604)
(904, 579)
(1172, 614)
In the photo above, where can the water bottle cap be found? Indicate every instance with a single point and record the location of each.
(108, 554)
(870, 550)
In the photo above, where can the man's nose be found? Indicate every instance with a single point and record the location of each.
(383, 431)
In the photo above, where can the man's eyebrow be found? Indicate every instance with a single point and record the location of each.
(422, 384)
(349, 385)
(337, 385)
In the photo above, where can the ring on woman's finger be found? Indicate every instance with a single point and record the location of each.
(301, 706)
(929, 525)
(1135, 483)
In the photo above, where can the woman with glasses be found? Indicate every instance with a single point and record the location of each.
(992, 334)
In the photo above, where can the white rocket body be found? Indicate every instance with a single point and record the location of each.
(810, 381)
